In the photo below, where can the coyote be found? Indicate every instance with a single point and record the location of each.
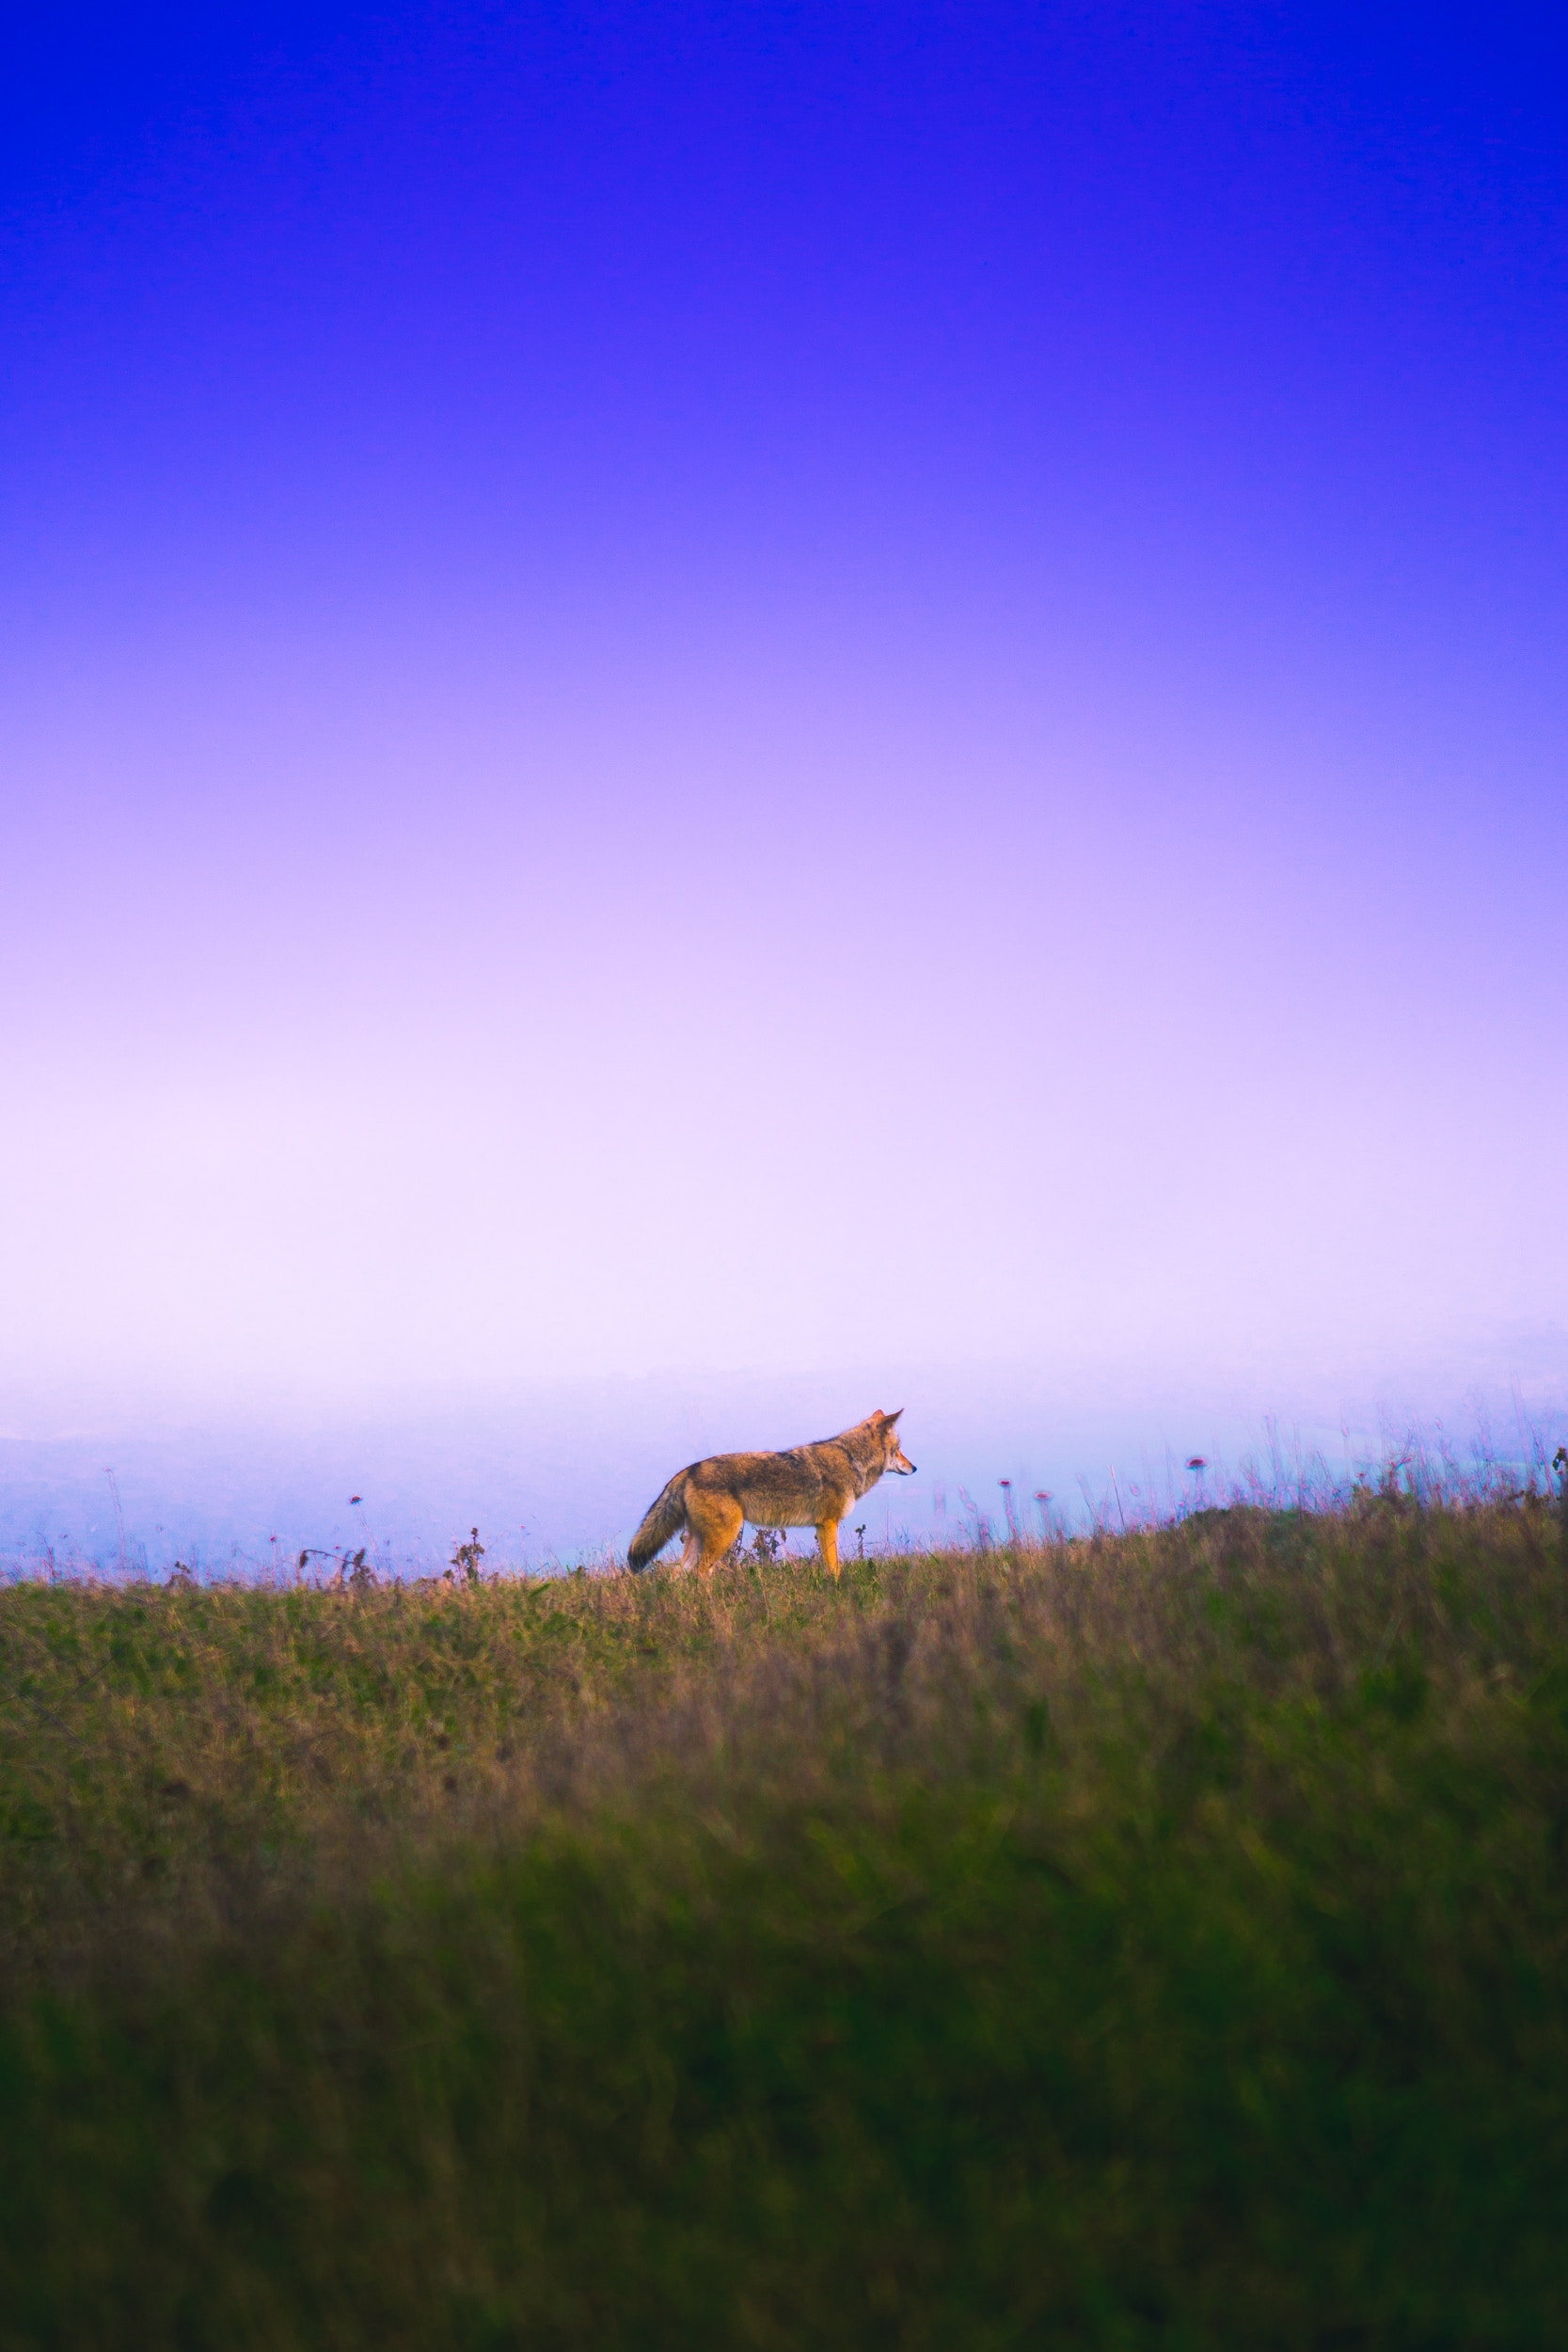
(811, 1486)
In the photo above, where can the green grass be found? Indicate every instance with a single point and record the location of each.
(1158, 1941)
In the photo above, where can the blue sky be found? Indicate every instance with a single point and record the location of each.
(823, 694)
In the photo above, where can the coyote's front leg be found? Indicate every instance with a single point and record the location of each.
(827, 1542)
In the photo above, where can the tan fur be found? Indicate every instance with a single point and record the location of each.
(810, 1485)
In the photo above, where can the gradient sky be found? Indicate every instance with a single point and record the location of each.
(855, 693)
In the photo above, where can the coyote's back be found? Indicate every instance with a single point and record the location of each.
(810, 1485)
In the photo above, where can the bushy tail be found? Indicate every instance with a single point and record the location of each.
(664, 1517)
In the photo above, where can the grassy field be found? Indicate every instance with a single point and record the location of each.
(1150, 1940)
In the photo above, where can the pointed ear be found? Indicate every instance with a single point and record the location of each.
(891, 1418)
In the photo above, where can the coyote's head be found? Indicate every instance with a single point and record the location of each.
(885, 1427)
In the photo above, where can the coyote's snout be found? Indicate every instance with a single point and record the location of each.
(811, 1486)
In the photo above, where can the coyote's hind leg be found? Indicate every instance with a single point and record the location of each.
(715, 1521)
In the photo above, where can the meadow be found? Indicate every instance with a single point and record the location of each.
(1155, 1939)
